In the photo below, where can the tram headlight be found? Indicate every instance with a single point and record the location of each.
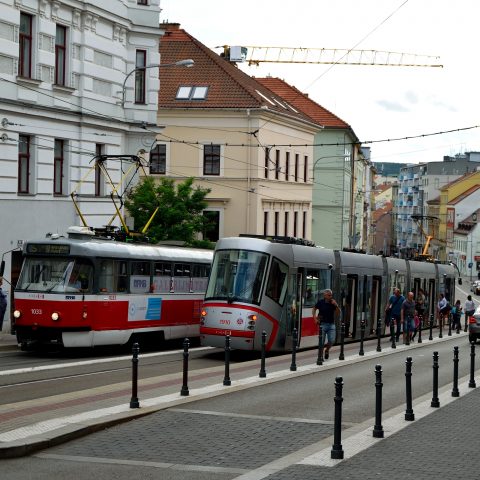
(203, 316)
(17, 314)
(55, 316)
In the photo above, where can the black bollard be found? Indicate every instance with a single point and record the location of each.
(379, 334)
(450, 325)
(420, 324)
(226, 379)
(342, 342)
(471, 382)
(455, 391)
(378, 429)
(409, 415)
(293, 366)
(392, 333)
(435, 403)
(134, 403)
(320, 345)
(431, 328)
(362, 336)
(337, 449)
(184, 392)
(263, 373)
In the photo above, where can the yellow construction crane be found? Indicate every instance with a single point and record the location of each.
(425, 256)
(254, 55)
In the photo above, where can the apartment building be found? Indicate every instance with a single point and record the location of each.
(252, 148)
(71, 92)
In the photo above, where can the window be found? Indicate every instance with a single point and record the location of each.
(58, 165)
(305, 168)
(265, 223)
(267, 161)
(296, 167)
(277, 164)
(211, 159)
(188, 92)
(60, 50)
(113, 276)
(158, 159)
(25, 40)
(287, 166)
(140, 63)
(277, 281)
(99, 183)
(23, 164)
(142, 2)
(275, 223)
(285, 226)
(212, 225)
(304, 226)
(295, 223)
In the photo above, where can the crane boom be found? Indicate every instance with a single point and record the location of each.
(254, 55)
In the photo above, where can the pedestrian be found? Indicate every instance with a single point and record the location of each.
(443, 309)
(3, 304)
(420, 303)
(469, 309)
(393, 313)
(457, 316)
(407, 317)
(327, 310)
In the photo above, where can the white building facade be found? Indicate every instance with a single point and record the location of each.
(71, 92)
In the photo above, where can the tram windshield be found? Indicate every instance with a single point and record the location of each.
(56, 275)
(237, 275)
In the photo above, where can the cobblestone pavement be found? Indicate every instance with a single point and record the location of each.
(196, 445)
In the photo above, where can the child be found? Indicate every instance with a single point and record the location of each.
(456, 316)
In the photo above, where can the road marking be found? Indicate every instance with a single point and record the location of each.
(118, 461)
(97, 361)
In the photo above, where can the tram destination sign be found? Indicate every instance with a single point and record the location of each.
(48, 249)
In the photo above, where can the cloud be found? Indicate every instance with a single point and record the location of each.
(392, 106)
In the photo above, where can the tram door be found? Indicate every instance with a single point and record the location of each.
(293, 306)
(349, 304)
(375, 304)
(432, 297)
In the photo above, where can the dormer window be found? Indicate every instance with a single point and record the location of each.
(190, 92)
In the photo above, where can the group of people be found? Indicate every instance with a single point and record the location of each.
(400, 311)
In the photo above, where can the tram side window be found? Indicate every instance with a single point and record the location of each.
(140, 277)
(316, 281)
(277, 281)
(200, 277)
(113, 276)
(181, 277)
(162, 276)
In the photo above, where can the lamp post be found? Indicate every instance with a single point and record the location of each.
(181, 63)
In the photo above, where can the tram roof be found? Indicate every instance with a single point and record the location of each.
(108, 248)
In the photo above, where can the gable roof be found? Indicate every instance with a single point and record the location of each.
(464, 195)
(302, 102)
(459, 179)
(228, 86)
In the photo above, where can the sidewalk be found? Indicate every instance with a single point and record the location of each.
(7, 341)
(33, 425)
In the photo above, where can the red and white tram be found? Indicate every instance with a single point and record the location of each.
(271, 284)
(83, 291)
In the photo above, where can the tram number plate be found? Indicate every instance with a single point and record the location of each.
(224, 322)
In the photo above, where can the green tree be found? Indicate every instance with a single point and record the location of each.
(180, 209)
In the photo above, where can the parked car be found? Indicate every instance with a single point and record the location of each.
(474, 326)
(475, 288)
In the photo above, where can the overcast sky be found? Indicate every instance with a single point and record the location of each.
(379, 103)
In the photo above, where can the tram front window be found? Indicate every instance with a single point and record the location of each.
(237, 275)
(57, 275)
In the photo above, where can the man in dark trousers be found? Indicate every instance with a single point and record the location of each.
(327, 309)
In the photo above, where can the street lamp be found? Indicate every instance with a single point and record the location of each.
(181, 63)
